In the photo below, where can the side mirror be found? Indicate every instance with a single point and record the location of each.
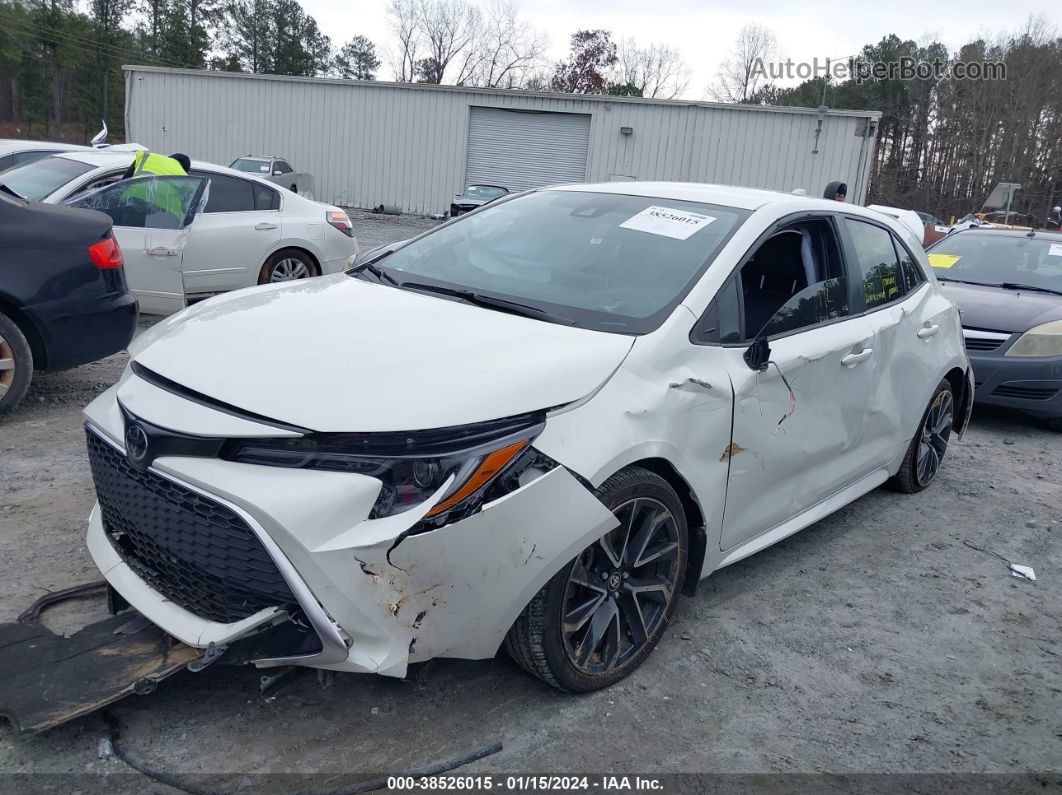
(277, 172)
(758, 354)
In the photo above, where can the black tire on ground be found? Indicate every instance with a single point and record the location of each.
(629, 595)
(1051, 423)
(286, 261)
(16, 364)
(926, 450)
(294, 189)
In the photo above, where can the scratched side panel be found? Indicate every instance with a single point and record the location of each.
(670, 400)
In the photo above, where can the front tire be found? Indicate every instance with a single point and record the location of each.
(16, 365)
(926, 451)
(602, 615)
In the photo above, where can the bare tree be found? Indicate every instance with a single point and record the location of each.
(448, 29)
(507, 51)
(740, 75)
(404, 19)
(655, 71)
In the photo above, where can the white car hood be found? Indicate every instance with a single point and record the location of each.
(341, 354)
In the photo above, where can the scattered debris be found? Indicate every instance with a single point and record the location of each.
(1024, 572)
(1016, 569)
(374, 711)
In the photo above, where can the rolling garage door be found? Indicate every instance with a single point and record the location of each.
(526, 150)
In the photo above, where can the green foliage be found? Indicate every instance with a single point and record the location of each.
(624, 90)
(357, 60)
(61, 68)
(272, 37)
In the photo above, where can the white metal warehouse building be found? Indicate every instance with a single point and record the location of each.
(416, 145)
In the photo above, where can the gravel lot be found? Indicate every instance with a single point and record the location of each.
(874, 641)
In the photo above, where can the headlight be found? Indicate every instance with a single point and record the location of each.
(410, 467)
(1045, 340)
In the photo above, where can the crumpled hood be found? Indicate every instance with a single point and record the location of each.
(996, 309)
(341, 354)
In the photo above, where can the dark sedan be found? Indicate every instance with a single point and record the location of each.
(63, 296)
(475, 196)
(1008, 286)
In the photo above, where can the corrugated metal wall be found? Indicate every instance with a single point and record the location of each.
(383, 143)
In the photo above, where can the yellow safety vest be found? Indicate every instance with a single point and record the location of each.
(151, 163)
(147, 164)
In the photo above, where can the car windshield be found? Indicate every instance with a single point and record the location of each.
(598, 260)
(484, 192)
(251, 165)
(41, 178)
(998, 259)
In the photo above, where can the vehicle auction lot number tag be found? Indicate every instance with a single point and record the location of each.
(678, 224)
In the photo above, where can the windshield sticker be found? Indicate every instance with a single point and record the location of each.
(1056, 250)
(943, 229)
(943, 260)
(678, 224)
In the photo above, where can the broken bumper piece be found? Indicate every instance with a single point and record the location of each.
(50, 679)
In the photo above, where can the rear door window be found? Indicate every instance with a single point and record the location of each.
(228, 194)
(879, 267)
(265, 198)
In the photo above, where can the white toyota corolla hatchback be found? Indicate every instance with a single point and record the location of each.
(534, 427)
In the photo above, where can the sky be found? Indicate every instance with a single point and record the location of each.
(704, 30)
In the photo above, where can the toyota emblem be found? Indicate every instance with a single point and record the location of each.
(136, 442)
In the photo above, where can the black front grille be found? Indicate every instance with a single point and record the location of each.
(195, 552)
(982, 344)
(1025, 392)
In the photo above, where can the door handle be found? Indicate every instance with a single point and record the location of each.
(162, 251)
(928, 331)
(852, 359)
(265, 226)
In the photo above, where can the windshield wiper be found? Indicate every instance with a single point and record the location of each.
(10, 192)
(965, 281)
(490, 302)
(376, 271)
(1016, 286)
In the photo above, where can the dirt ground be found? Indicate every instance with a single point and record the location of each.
(875, 641)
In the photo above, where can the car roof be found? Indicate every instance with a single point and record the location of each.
(1001, 232)
(9, 145)
(258, 157)
(104, 158)
(723, 195)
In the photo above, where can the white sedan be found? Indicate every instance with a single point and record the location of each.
(521, 428)
(247, 232)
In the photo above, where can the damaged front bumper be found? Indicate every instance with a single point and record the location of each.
(377, 597)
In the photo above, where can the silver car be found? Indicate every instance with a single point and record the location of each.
(278, 171)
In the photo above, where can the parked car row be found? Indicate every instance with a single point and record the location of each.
(609, 366)
(173, 239)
